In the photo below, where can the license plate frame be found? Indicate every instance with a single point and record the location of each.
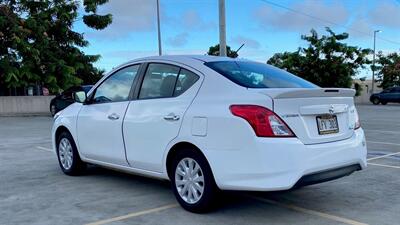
(328, 121)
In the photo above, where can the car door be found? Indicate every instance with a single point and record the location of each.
(396, 94)
(389, 95)
(154, 118)
(99, 124)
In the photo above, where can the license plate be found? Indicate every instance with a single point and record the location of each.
(327, 124)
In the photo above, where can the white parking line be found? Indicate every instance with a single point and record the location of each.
(383, 131)
(383, 156)
(309, 211)
(131, 215)
(44, 149)
(383, 143)
(383, 165)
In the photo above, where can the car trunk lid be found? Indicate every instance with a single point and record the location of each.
(312, 113)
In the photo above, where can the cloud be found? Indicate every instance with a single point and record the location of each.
(382, 16)
(360, 28)
(385, 14)
(137, 16)
(140, 16)
(190, 20)
(269, 16)
(248, 42)
(178, 40)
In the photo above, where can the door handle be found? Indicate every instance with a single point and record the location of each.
(113, 116)
(171, 117)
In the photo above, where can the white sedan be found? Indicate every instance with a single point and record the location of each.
(212, 123)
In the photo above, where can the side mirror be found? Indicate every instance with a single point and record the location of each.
(80, 96)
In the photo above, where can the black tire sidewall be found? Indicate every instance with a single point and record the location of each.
(77, 165)
(208, 199)
(375, 101)
(51, 109)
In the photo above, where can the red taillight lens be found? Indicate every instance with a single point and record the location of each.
(264, 122)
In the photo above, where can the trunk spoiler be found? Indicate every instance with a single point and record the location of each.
(278, 93)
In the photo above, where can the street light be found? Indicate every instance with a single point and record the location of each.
(373, 62)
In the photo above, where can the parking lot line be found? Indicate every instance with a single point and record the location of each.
(44, 149)
(135, 214)
(383, 131)
(383, 165)
(383, 143)
(310, 212)
(383, 156)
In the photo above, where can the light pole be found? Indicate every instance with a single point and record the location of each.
(222, 28)
(373, 63)
(158, 28)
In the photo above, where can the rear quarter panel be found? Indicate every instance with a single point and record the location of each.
(223, 131)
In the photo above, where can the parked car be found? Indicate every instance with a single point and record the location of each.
(387, 95)
(66, 98)
(211, 123)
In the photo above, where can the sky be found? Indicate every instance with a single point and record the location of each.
(265, 27)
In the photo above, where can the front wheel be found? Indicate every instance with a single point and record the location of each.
(193, 182)
(68, 156)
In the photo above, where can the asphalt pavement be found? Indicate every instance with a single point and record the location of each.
(33, 190)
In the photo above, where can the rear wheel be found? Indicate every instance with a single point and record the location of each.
(68, 156)
(375, 101)
(193, 182)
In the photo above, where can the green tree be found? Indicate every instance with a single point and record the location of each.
(214, 50)
(388, 70)
(38, 44)
(326, 61)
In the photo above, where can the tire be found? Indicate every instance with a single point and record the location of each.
(206, 200)
(53, 110)
(68, 156)
(383, 103)
(375, 101)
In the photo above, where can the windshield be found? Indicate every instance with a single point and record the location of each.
(258, 75)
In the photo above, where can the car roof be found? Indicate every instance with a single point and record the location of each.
(182, 58)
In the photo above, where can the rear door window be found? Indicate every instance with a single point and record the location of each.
(164, 81)
(159, 81)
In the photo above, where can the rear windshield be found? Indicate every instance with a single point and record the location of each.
(258, 75)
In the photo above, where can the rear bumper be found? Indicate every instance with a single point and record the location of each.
(282, 163)
(327, 175)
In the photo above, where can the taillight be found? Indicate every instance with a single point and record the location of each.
(264, 122)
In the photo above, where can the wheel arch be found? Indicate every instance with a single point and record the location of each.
(181, 146)
(59, 130)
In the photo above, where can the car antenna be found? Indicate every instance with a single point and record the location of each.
(239, 48)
